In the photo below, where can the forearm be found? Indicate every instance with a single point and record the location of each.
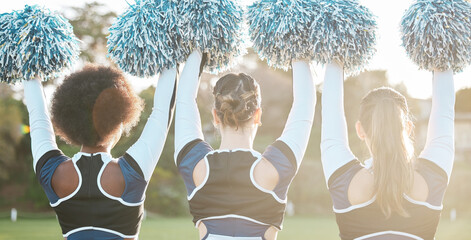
(42, 134)
(335, 151)
(147, 149)
(298, 126)
(439, 147)
(187, 120)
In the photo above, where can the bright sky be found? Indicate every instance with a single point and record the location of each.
(390, 56)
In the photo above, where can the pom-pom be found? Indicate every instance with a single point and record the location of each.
(42, 46)
(144, 40)
(214, 27)
(437, 34)
(8, 64)
(279, 30)
(343, 31)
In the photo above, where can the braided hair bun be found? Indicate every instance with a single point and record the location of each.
(236, 99)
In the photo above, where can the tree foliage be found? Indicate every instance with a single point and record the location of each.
(91, 22)
(10, 135)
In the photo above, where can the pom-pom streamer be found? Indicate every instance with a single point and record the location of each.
(214, 27)
(9, 66)
(280, 30)
(144, 40)
(40, 43)
(437, 34)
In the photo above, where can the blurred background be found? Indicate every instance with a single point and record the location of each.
(166, 204)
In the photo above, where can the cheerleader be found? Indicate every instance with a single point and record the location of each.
(394, 195)
(235, 192)
(94, 195)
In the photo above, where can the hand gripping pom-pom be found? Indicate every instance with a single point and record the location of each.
(344, 31)
(144, 40)
(437, 34)
(41, 44)
(213, 27)
(279, 30)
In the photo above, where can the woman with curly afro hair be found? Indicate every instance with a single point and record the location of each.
(94, 195)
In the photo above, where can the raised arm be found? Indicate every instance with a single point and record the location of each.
(440, 146)
(147, 149)
(335, 151)
(42, 134)
(187, 120)
(298, 126)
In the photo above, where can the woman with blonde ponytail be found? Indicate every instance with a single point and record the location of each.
(393, 195)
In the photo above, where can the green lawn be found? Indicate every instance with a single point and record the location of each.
(182, 228)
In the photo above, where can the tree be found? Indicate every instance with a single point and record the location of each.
(91, 23)
(10, 136)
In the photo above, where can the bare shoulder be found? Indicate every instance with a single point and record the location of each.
(65, 179)
(266, 175)
(199, 173)
(361, 187)
(419, 190)
(112, 179)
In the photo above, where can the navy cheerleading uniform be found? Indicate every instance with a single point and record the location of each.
(434, 164)
(230, 202)
(90, 212)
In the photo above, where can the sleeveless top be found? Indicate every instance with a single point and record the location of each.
(89, 212)
(366, 221)
(229, 201)
(230, 189)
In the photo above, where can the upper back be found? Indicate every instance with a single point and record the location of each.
(240, 188)
(65, 179)
(229, 187)
(93, 191)
(359, 216)
(362, 188)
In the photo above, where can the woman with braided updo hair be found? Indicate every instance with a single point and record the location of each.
(235, 192)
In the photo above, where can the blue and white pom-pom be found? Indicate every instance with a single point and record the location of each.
(8, 64)
(42, 46)
(280, 31)
(144, 39)
(437, 34)
(214, 27)
(344, 31)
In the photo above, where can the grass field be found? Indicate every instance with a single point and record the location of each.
(181, 229)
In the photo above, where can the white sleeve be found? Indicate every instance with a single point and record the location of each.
(335, 151)
(42, 134)
(440, 146)
(298, 126)
(187, 116)
(147, 149)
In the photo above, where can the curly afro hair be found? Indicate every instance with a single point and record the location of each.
(91, 105)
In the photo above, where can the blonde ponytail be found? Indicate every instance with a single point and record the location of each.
(384, 115)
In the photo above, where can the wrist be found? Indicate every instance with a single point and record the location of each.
(300, 63)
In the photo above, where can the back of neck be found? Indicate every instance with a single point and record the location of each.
(96, 149)
(232, 139)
